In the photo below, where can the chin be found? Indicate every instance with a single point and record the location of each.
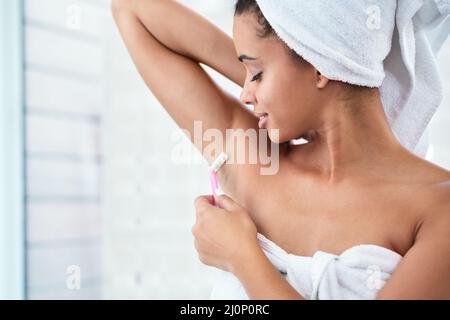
(281, 138)
(277, 136)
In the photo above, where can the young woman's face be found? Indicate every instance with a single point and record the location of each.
(275, 83)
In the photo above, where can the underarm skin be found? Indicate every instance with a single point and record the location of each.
(167, 43)
(185, 32)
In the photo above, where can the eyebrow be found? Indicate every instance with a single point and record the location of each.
(243, 57)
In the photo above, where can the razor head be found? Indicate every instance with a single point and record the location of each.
(219, 162)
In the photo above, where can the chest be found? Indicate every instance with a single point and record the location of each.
(303, 219)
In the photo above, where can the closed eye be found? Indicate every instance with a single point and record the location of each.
(257, 77)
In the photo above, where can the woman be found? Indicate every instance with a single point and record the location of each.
(353, 183)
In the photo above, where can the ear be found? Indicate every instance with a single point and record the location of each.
(321, 80)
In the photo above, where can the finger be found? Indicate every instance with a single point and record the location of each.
(196, 245)
(203, 201)
(194, 230)
(226, 202)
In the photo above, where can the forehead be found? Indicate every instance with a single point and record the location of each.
(246, 39)
(245, 22)
(245, 28)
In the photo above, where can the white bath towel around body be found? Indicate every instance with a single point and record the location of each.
(359, 272)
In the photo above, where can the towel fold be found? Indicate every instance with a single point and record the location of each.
(359, 272)
(388, 44)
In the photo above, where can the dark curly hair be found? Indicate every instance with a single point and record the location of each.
(265, 30)
(251, 6)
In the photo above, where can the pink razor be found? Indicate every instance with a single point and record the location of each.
(217, 164)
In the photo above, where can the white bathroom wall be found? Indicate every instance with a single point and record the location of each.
(103, 193)
(65, 95)
(148, 198)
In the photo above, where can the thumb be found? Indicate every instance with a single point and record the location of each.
(225, 202)
(203, 201)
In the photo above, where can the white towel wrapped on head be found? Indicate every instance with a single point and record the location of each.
(388, 44)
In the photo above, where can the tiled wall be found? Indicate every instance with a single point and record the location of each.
(148, 198)
(65, 95)
(103, 192)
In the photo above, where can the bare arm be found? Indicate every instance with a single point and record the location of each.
(187, 33)
(166, 41)
(261, 279)
(424, 272)
(191, 35)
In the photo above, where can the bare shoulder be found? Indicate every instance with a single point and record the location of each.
(436, 184)
(425, 193)
(424, 271)
(435, 218)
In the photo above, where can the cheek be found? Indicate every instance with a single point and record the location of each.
(285, 98)
(281, 98)
(289, 113)
(279, 102)
(271, 95)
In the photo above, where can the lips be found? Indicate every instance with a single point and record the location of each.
(263, 117)
(260, 114)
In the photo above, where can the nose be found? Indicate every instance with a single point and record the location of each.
(247, 95)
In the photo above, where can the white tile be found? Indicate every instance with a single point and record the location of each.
(53, 50)
(53, 179)
(89, 293)
(84, 17)
(63, 221)
(51, 92)
(53, 134)
(49, 266)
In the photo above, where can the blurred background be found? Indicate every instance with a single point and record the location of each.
(92, 204)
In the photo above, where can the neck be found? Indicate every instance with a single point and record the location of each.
(351, 138)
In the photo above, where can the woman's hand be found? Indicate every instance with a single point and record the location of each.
(224, 236)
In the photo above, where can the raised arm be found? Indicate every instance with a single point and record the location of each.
(185, 32)
(166, 42)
